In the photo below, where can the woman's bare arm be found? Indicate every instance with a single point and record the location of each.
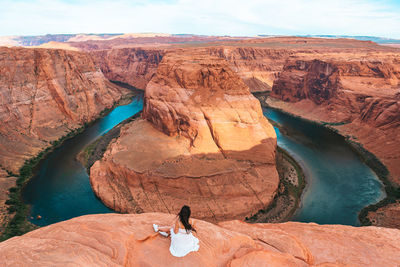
(193, 224)
(164, 229)
(167, 229)
(176, 227)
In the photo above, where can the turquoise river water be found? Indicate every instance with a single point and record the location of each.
(339, 184)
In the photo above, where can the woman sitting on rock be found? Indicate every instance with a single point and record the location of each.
(182, 239)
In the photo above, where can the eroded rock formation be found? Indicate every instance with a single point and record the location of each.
(387, 216)
(133, 66)
(203, 141)
(361, 97)
(257, 66)
(120, 240)
(44, 94)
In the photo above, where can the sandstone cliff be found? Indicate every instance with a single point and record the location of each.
(120, 240)
(258, 61)
(44, 94)
(351, 84)
(361, 96)
(257, 66)
(203, 141)
(134, 66)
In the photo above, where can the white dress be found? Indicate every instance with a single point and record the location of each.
(182, 243)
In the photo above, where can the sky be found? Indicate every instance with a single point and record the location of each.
(207, 17)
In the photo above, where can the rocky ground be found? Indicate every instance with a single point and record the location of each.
(387, 216)
(287, 200)
(129, 240)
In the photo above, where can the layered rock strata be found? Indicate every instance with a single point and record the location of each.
(203, 141)
(257, 66)
(258, 61)
(129, 240)
(133, 66)
(360, 98)
(45, 93)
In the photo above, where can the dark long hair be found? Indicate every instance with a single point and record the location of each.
(184, 215)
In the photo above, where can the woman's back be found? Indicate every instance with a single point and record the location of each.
(182, 241)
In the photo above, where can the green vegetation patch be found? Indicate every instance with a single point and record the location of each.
(286, 191)
(19, 224)
(325, 123)
(95, 150)
(392, 192)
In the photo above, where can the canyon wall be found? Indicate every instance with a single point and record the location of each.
(257, 61)
(129, 240)
(257, 66)
(133, 66)
(203, 141)
(359, 97)
(45, 93)
(136, 66)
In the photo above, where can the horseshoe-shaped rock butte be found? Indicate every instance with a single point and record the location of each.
(202, 141)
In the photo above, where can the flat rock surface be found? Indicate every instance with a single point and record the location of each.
(120, 240)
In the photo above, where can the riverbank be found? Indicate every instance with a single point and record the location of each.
(288, 197)
(285, 203)
(373, 162)
(7, 181)
(94, 151)
(17, 211)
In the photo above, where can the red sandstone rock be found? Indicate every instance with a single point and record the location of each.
(387, 216)
(319, 244)
(258, 67)
(361, 93)
(115, 240)
(134, 66)
(44, 94)
(205, 143)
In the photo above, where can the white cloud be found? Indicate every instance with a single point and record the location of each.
(250, 17)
